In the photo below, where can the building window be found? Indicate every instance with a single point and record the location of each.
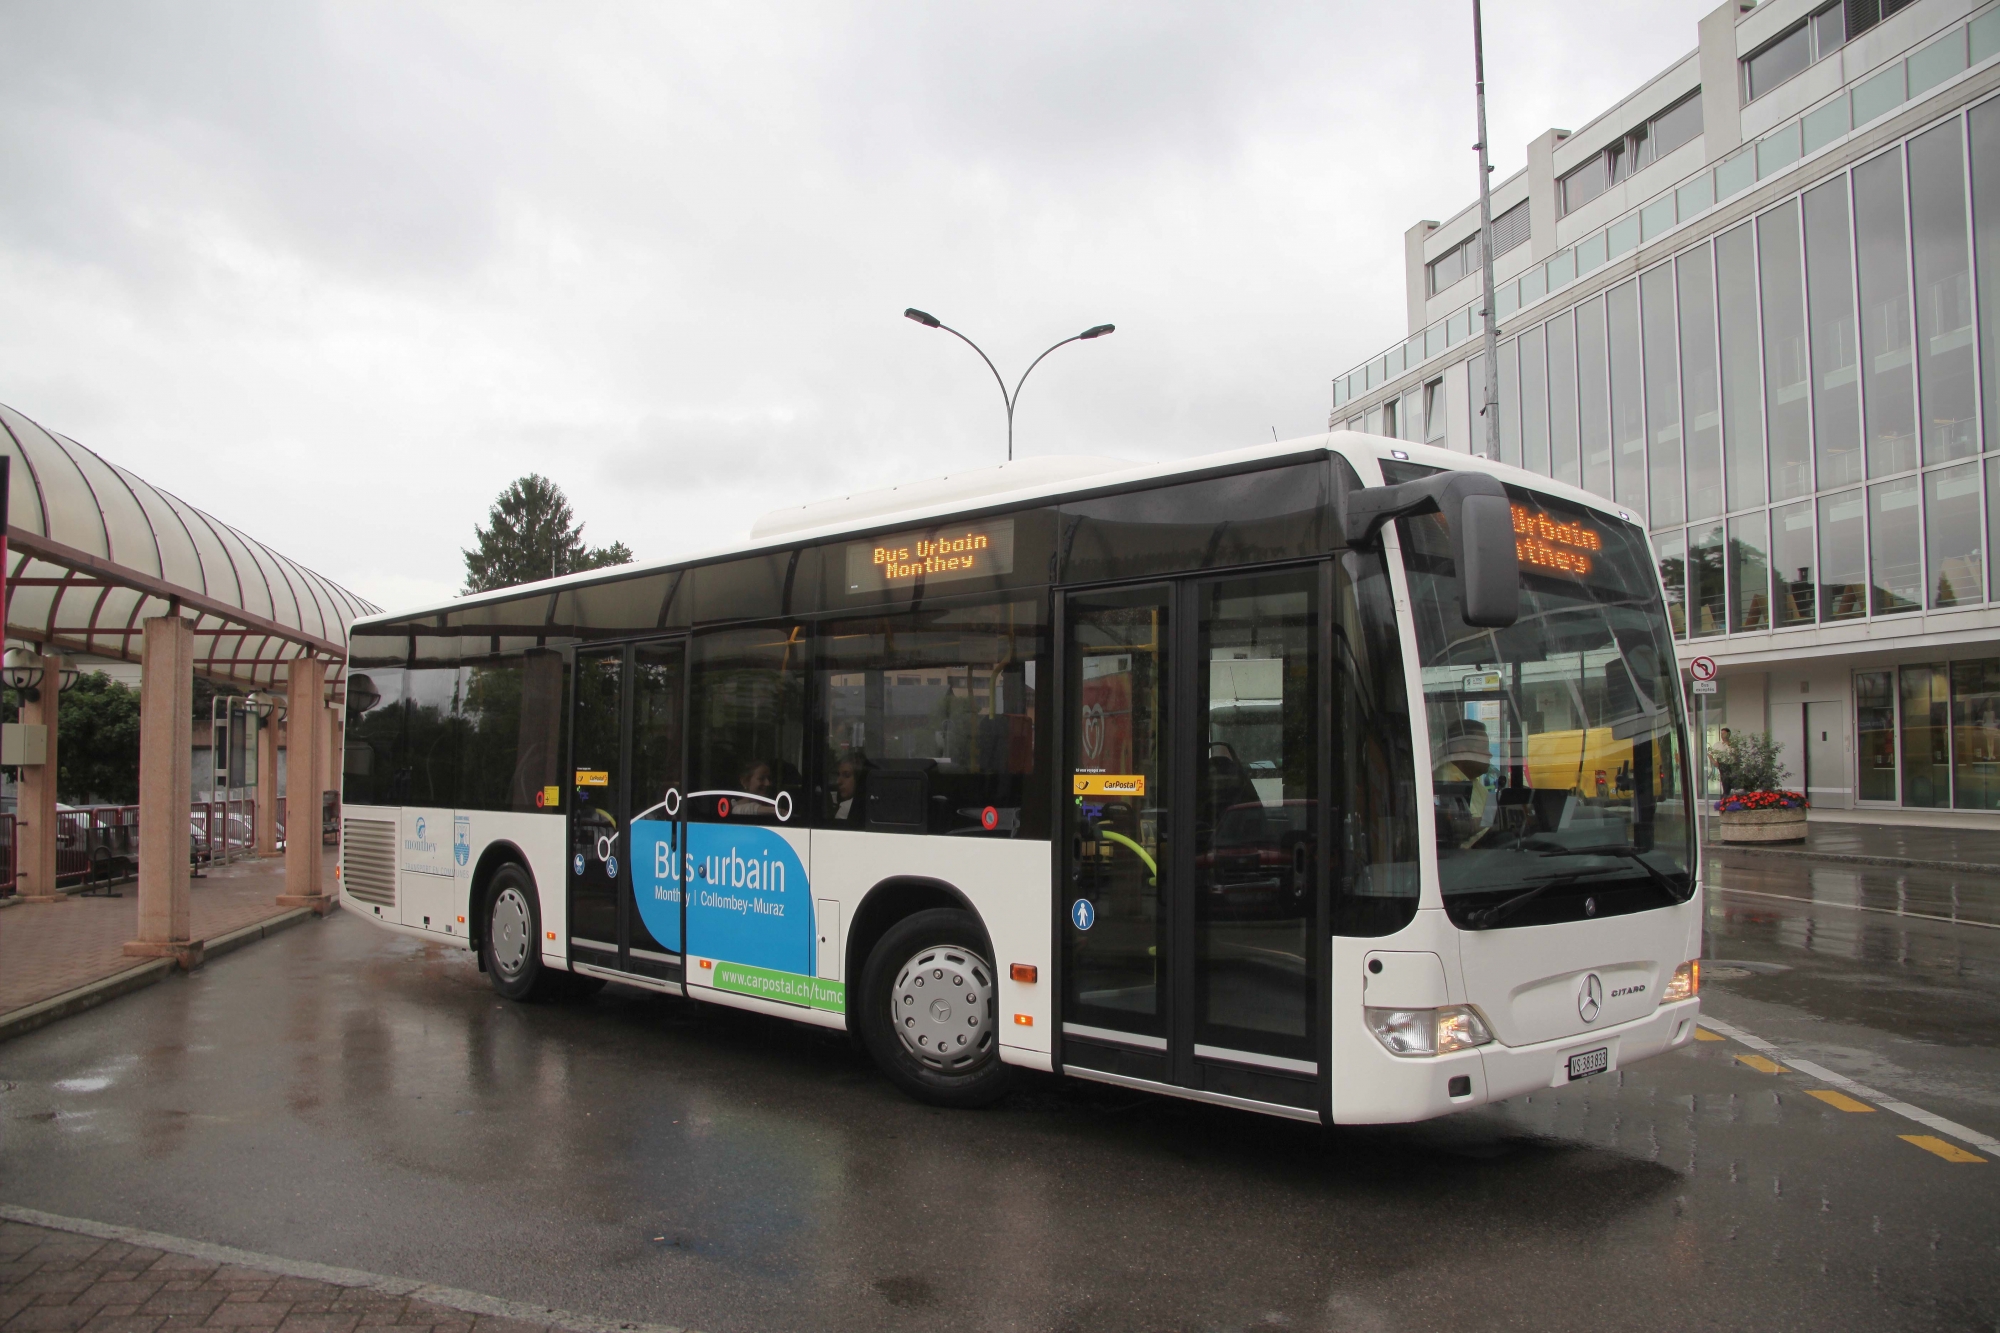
(1672, 547)
(1836, 356)
(1843, 558)
(1944, 293)
(1631, 153)
(1663, 396)
(1534, 401)
(1926, 737)
(1952, 538)
(1808, 40)
(1749, 574)
(1875, 733)
(1792, 583)
(1975, 734)
(1895, 548)
(1742, 410)
(1434, 422)
(1781, 288)
(1706, 600)
(1883, 252)
(1562, 398)
(1389, 420)
(1510, 230)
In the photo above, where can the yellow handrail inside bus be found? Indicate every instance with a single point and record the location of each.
(1154, 878)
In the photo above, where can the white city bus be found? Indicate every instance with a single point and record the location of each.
(1344, 780)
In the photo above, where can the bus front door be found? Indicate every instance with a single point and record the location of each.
(625, 822)
(1192, 892)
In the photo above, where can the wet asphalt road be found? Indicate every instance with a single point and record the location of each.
(341, 1095)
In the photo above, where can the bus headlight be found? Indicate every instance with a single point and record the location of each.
(1686, 983)
(1456, 1027)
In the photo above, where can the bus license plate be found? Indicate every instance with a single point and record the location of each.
(1589, 1062)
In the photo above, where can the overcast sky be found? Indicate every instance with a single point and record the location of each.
(338, 273)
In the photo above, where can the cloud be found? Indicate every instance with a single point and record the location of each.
(339, 272)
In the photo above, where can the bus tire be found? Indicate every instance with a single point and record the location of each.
(930, 1002)
(511, 941)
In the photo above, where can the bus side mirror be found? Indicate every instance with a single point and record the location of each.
(1489, 572)
(1481, 522)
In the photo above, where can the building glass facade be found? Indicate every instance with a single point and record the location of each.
(1801, 399)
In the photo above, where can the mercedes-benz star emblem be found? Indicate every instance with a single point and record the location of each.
(1590, 998)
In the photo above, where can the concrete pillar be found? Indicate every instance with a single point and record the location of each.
(166, 779)
(35, 836)
(305, 767)
(266, 826)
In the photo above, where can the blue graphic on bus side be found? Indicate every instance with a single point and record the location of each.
(579, 865)
(1084, 913)
(750, 903)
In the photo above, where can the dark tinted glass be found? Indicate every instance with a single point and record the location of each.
(1883, 255)
(748, 589)
(613, 610)
(746, 726)
(432, 750)
(1836, 402)
(511, 716)
(929, 721)
(1277, 514)
(1374, 772)
(372, 767)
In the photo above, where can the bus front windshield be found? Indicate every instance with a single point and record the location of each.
(1558, 776)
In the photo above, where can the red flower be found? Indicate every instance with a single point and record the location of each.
(1764, 800)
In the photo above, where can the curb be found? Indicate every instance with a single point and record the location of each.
(43, 1012)
(1858, 859)
(452, 1298)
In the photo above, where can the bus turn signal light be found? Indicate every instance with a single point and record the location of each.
(1023, 971)
(1024, 1020)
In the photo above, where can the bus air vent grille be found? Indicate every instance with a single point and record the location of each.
(368, 861)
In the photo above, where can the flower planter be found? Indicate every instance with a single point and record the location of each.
(1778, 825)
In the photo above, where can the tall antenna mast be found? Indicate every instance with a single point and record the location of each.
(1491, 409)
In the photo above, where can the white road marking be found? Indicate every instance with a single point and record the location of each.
(1848, 1085)
(1857, 907)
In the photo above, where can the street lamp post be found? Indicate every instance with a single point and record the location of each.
(930, 321)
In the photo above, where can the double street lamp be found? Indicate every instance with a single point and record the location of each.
(930, 321)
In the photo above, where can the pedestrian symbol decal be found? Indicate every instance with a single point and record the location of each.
(1084, 913)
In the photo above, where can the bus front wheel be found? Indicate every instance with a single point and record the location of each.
(930, 1002)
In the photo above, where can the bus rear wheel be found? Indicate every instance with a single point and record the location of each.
(930, 1002)
(511, 941)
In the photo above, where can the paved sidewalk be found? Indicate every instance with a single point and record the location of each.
(48, 949)
(1892, 846)
(62, 1282)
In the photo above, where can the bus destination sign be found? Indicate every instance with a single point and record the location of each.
(936, 555)
(1546, 544)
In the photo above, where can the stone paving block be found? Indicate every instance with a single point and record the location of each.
(234, 1275)
(11, 1303)
(184, 1265)
(48, 1319)
(62, 1280)
(130, 1323)
(327, 1322)
(248, 1314)
(182, 1302)
(489, 1323)
(102, 1292)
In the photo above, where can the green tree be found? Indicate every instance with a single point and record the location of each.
(532, 533)
(98, 748)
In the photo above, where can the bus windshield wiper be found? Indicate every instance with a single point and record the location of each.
(1500, 911)
(1624, 850)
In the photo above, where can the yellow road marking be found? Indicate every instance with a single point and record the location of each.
(1951, 1152)
(1839, 1101)
(1761, 1065)
(1703, 1034)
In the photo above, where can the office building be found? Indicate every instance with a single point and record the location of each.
(1757, 304)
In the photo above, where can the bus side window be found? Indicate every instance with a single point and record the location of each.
(746, 726)
(927, 721)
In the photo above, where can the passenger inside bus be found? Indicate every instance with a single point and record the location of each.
(757, 780)
(847, 785)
